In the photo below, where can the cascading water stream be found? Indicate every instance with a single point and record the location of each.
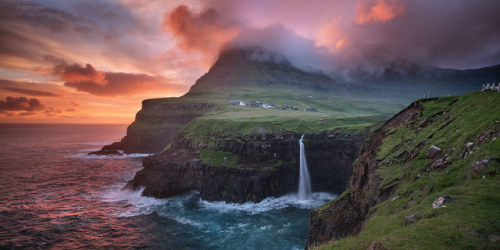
(305, 190)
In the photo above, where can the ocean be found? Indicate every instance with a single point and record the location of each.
(53, 195)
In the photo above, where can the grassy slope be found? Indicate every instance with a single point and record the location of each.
(473, 216)
(333, 111)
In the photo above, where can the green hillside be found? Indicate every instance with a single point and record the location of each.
(466, 129)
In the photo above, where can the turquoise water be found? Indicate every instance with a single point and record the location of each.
(52, 195)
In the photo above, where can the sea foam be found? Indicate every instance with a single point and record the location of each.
(270, 203)
(134, 203)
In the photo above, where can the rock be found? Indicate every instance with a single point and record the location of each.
(105, 152)
(409, 219)
(439, 202)
(111, 149)
(376, 246)
(469, 144)
(439, 164)
(479, 165)
(433, 152)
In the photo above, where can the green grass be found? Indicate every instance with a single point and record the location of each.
(219, 158)
(473, 216)
(225, 120)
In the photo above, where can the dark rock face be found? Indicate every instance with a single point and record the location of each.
(111, 149)
(268, 166)
(346, 216)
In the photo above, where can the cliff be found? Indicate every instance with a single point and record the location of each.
(427, 178)
(248, 167)
(158, 123)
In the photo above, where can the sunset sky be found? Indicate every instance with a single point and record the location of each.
(95, 61)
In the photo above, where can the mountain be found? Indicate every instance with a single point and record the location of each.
(258, 68)
(428, 178)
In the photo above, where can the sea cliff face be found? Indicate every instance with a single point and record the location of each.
(157, 124)
(345, 216)
(250, 167)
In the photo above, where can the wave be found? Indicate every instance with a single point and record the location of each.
(135, 203)
(270, 203)
(87, 156)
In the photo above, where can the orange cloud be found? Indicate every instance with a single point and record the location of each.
(88, 79)
(332, 35)
(377, 10)
(77, 73)
(20, 104)
(206, 32)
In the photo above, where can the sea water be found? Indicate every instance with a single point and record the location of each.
(53, 195)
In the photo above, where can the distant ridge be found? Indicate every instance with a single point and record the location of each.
(256, 67)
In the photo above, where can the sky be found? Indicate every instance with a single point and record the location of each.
(95, 61)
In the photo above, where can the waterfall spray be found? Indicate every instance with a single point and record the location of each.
(304, 181)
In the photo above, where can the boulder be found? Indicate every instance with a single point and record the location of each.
(439, 202)
(433, 152)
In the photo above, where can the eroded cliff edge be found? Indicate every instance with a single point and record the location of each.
(249, 167)
(419, 180)
(345, 216)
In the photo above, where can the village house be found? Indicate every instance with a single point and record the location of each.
(491, 87)
(259, 104)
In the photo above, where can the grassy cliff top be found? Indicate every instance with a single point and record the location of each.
(331, 112)
(466, 169)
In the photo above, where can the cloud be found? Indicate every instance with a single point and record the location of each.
(378, 10)
(77, 73)
(365, 35)
(21, 104)
(30, 92)
(447, 33)
(88, 79)
(51, 112)
(79, 30)
(277, 38)
(206, 32)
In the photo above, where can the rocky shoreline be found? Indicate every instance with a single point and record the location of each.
(267, 165)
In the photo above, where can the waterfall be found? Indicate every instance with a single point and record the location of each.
(304, 181)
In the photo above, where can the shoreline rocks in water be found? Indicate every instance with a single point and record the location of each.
(111, 149)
